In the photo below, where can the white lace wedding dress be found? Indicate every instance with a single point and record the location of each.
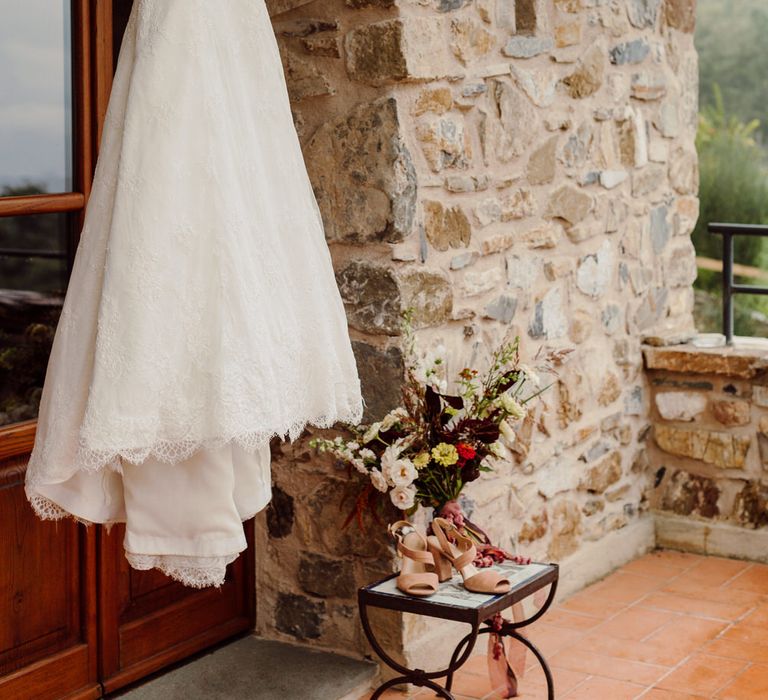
(202, 316)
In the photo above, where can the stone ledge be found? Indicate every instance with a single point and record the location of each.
(745, 361)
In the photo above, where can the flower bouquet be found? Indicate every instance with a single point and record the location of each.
(424, 452)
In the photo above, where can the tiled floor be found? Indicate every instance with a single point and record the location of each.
(667, 626)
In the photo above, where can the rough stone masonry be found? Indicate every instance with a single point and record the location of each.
(504, 167)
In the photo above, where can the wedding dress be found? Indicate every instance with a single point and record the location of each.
(202, 316)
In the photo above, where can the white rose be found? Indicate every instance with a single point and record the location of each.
(403, 473)
(372, 432)
(403, 497)
(389, 461)
(378, 481)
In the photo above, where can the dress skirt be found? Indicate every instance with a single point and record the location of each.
(202, 317)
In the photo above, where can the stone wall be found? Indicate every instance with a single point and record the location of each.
(504, 168)
(709, 448)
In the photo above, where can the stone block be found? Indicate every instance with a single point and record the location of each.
(326, 577)
(381, 375)
(649, 86)
(280, 514)
(549, 319)
(299, 616)
(731, 412)
(470, 40)
(684, 172)
(375, 297)
(643, 13)
(534, 528)
(541, 164)
(444, 143)
(630, 52)
(502, 308)
(446, 227)
(681, 15)
(527, 46)
(565, 529)
(569, 204)
(680, 405)
(721, 449)
(518, 204)
(589, 75)
(688, 494)
(595, 271)
(513, 127)
(363, 176)
(539, 84)
(610, 391)
(376, 52)
(437, 100)
(750, 508)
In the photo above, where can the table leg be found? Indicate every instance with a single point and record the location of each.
(418, 676)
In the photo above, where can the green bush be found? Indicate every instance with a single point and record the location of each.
(733, 189)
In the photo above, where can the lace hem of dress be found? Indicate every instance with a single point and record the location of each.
(195, 572)
(46, 509)
(175, 451)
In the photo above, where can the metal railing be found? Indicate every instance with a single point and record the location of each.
(728, 231)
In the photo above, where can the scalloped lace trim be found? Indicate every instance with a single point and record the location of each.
(175, 451)
(195, 572)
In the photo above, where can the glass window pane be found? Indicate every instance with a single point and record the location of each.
(31, 295)
(35, 96)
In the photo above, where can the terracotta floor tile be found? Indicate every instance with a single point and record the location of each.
(754, 579)
(471, 684)
(477, 664)
(751, 634)
(737, 650)
(690, 632)
(549, 639)
(661, 694)
(588, 602)
(576, 621)
(758, 616)
(683, 560)
(635, 623)
(730, 595)
(596, 688)
(750, 685)
(599, 664)
(624, 588)
(695, 606)
(715, 571)
(702, 674)
(663, 652)
(653, 566)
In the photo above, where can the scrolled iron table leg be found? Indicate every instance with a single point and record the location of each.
(418, 676)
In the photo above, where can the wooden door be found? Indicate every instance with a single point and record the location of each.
(75, 620)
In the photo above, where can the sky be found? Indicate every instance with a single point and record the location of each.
(35, 102)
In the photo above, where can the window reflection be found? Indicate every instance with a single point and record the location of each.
(33, 277)
(35, 96)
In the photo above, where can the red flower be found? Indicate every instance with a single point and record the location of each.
(466, 451)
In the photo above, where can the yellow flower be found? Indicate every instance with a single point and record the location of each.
(445, 454)
(421, 460)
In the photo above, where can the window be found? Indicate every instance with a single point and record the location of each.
(56, 65)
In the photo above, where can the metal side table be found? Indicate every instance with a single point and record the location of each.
(453, 602)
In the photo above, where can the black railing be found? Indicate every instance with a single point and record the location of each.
(728, 231)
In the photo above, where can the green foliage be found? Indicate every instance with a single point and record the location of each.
(733, 184)
(730, 38)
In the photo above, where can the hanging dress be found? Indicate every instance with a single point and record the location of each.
(202, 316)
